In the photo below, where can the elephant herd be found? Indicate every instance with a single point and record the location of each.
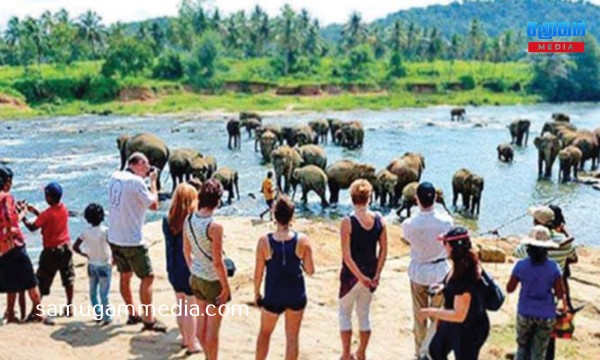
(560, 139)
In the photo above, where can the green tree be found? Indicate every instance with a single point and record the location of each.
(377, 41)
(313, 44)
(127, 56)
(354, 32)
(92, 32)
(551, 79)
(476, 39)
(35, 38)
(200, 69)
(357, 65)
(396, 68)
(396, 37)
(587, 71)
(259, 32)
(288, 37)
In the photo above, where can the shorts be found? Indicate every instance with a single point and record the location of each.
(132, 258)
(279, 308)
(16, 271)
(205, 290)
(53, 260)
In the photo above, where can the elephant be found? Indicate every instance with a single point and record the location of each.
(334, 126)
(313, 178)
(233, 131)
(518, 129)
(385, 184)
(459, 113)
(251, 124)
(313, 155)
(587, 142)
(569, 159)
(287, 133)
(409, 198)
(244, 115)
(155, 149)
(268, 143)
(505, 152)
(561, 117)
(180, 164)
(548, 147)
(229, 180)
(305, 135)
(285, 160)
(274, 128)
(416, 161)
(342, 173)
(407, 171)
(321, 128)
(555, 127)
(203, 168)
(470, 187)
(351, 135)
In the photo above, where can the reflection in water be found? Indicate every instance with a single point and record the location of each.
(81, 153)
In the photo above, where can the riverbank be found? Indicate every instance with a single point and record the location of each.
(79, 337)
(189, 102)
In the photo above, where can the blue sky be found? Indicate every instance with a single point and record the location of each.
(327, 11)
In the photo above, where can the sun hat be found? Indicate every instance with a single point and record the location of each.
(543, 214)
(539, 236)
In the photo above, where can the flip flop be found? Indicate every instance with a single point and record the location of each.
(190, 353)
(134, 319)
(156, 326)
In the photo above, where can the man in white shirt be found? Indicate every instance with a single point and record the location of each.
(129, 199)
(429, 264)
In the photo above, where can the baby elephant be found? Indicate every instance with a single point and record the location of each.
(470, 186)
(505, 153)
(569, 158)
(408, 198)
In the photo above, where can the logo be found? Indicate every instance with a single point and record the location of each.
(549, 30)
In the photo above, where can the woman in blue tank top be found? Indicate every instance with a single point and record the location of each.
(284, 254)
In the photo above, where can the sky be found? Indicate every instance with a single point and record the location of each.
(327, 11)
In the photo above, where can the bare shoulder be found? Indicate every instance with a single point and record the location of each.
(215, 228)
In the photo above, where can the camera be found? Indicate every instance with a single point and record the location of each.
(153, 169)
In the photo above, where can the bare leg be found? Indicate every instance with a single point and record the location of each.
(267, 325)
(22, 305)
(146, 298)
(293, 320)
(9, 314)
(361, 354)
(201, 323)
(346, 337)
(69, 294)
(213, 326)
(36, 299)
(125, 288)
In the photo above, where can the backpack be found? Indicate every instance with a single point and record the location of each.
(491, 294)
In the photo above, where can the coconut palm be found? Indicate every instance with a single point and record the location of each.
(33, 33)
(13, 32)
(91, 31)
(354, 31)
(288, 37)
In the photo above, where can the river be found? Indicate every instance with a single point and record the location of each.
(80, 152)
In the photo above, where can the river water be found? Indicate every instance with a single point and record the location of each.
(80, 153)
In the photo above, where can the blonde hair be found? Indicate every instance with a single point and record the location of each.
(360, 191)
(184, 203)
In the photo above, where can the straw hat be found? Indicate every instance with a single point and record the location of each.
(540, 236)
(543, 214)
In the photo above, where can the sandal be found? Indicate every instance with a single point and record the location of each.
(190, 353)
(134, 319)
(156, 326)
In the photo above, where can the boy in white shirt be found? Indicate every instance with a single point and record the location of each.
(93, 244)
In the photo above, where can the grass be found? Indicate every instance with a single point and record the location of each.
(173, 99)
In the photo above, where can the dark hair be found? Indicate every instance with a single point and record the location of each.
(53, 198)
(284, 210)
(538, 255)
(270, 174)
(426, 194)
(559, 218)
(6, 174)
(197, 184)
(94, 214)
(210, 194)
(464, 259)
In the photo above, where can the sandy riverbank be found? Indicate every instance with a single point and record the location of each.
(79, 337)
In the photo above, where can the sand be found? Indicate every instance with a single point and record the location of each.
(79, 337)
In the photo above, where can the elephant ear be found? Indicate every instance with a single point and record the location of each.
(537, 142)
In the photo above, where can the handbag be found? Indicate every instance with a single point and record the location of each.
(491, 294)
(563, 327)
(229, 264)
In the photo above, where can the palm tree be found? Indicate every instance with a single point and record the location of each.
(287, 36)
(313, 44)
(396, 36)
(260, 31)
(377, 41)
(62, 16)
(13, 32)
(32, 31)
(91, 30)
(354, 31)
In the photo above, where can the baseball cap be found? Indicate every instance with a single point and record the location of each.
(540, 236)
(54, 189)
(426, 192)
(543, 214)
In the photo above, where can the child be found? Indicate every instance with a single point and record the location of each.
(94, 241)
(56, 255)
(540, 280)
(268, 191)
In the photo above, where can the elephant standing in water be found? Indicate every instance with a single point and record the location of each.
(470, 187)
(342, 173)
(251, 121)
(548, 147)
(561, 117)
(385, 184)
(268, 143)
(155, 149)
(408, 168)
(274, 128)
(351, 135)
(203, 168)
(180, 165)
(556, 127)
(229, 179)
(305, 135)
(234, 133)
(409, 200)
(334, 126)
(285, 160)
(458, 113)
(587, 142)
(569, 159)
(505, 153)
(321, 128)
(310, 178)
(519, 129)
(313, 155)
